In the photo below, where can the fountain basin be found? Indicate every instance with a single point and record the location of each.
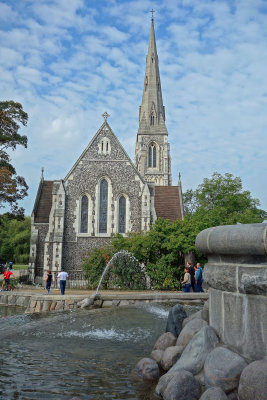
(40, 302)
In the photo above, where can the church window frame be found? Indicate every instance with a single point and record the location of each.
(152, 155)
(127, 214)
(103, 206)
(98, 229)
(84, 214)
(122, 207)
(104, 146)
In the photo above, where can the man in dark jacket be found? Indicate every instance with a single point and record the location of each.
(192, 274)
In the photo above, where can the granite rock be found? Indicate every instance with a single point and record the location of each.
(253, 381)
(223, 368)
(195, 353)
(181, 385)
(170, 356)
(148, 369)
(157, 355)
(214, 393)
(175, 319)
(191, 328)
(165, 340)
(197, 314)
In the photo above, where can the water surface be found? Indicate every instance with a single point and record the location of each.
(88, 355)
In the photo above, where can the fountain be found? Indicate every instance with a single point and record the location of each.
(75, 354)
(87, 303)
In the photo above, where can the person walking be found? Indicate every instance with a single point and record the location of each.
(48, 281)
(187, 281)
(199, 278)
(192, 275)
(63, 275)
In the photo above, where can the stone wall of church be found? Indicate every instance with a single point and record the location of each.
(39, 264)
(84, 179)
(73, 253)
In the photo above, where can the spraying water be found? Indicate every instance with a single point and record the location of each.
(113, 258)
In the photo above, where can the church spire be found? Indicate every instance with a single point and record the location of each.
(152, 112)
(152, 151)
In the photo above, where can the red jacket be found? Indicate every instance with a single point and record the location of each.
(7, 274)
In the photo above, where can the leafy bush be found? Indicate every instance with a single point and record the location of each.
(94, 264)
(126, 272)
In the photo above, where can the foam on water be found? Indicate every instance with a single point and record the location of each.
(160, 312)
(132, 335)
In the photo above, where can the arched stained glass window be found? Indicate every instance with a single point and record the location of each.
(84, 214)
(103, 206)
(152, 156)
(122, 214)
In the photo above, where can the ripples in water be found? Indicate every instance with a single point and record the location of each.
(89, 355)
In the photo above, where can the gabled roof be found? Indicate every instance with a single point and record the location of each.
(168, 202)
(105, 124)
(44, 203)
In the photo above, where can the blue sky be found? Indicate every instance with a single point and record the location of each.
(67, 62)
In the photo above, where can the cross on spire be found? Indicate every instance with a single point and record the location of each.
(105, 116)
(152, 14)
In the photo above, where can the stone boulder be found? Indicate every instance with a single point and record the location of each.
(175, 319)
(170, 356)
(223, 368)
(214, 393)
(197, 314)
(205, 311)
(164, 341)
(86, 303)
(191, 328)
(157, 355)
(180, 385)
(253, 381)
(148, 369)
(195, 353)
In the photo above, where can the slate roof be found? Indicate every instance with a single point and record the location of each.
(167, 202)
(44, 203)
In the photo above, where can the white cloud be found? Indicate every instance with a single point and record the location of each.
(68, 62)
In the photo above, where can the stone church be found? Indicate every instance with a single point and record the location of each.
(105, 192)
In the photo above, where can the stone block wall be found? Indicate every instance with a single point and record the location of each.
(236, 274)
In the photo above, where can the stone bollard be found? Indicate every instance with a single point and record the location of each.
(236, 274)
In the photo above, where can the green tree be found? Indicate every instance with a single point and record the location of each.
(12, 187)
(218, 201)
(15, 239)
(94, 264)
(225, 195)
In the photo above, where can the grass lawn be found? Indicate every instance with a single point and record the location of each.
(20, 267)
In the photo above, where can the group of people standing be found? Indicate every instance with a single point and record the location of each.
(193, 278)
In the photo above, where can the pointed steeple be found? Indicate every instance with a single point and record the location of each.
(152, 150)
(152, 112)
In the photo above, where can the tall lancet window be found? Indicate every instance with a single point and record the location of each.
(152, 119)
(103, 206)
(122, 214)
(152, 156)
(84, 214)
